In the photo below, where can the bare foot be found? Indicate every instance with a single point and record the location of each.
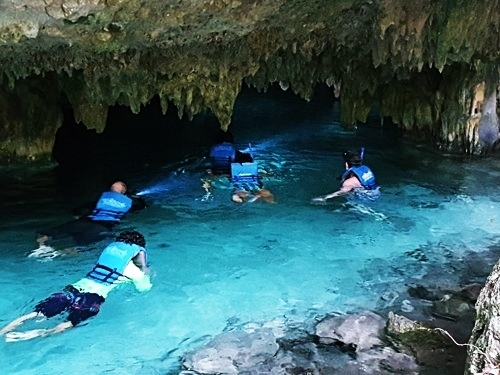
(240, 196)
(42, 239)
(44, 252)
(23, 336)
(15, 323)
(319, 199)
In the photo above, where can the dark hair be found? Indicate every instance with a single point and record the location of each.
(352, 158)
(132, 237)
(224, 136)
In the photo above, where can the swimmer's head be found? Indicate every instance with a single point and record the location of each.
(132, 237)
(352, 158)
(119, 187)
(224, 136)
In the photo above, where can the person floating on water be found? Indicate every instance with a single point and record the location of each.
(247, 184)
(357, 178)
(241, 169)
(98, 223)
(122, 261)
(224, 152)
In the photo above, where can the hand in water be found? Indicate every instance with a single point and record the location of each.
(319, 199)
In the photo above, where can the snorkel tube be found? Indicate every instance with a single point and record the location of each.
(362, 153)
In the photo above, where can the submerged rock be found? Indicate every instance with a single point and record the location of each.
(363, 330)
(453, 307)
(233, 352)
(296, 351)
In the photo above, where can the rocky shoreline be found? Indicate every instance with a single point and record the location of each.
(421, 329)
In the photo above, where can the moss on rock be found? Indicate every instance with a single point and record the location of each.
(420, 60)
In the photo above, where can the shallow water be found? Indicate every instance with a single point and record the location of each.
(219, 265)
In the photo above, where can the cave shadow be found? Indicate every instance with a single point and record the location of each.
(150, 138)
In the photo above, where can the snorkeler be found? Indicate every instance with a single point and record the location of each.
(224, 152)
(357, 177)
(241, 169)
(97, 223)
(122, 261)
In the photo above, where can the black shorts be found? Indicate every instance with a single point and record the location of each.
(79, 306)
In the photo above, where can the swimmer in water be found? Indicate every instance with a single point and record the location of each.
(122, 261)
(96, 221)
(356, 178)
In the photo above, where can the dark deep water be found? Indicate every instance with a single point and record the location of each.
(218, 265)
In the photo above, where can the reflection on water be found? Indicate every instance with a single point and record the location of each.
(218, 265)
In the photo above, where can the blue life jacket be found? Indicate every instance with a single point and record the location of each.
(245, 176)
(364, 175)
(222, 155)
(112, 262)
(112, 206)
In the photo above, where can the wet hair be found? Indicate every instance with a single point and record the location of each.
(132, 237)
(353, 158)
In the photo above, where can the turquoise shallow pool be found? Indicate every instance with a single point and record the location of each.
(217, 264)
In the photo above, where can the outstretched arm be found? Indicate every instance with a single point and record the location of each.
(348, 185)
(323, 198)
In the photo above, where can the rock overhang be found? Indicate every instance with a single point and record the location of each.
(421, 60)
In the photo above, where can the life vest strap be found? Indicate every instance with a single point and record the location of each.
(104, 274)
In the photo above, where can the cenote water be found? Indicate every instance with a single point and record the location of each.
(218, 265)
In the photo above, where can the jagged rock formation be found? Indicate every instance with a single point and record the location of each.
(483, 354)
(424, 62)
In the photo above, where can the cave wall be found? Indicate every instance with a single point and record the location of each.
(421, 60)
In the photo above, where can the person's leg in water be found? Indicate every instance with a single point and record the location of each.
(81, 231)
(81, 306)
(89, 232)
(27, 335)
(17, 322)
(240, 196)
(263, 194)
(55, 304)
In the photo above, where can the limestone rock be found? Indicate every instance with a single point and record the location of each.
(232, 352)
(362, 330)
(484, 344)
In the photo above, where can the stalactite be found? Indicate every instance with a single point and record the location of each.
(421, 61)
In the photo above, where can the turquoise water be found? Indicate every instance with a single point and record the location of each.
(218, 265)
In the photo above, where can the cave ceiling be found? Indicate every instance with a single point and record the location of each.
(425, 62)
